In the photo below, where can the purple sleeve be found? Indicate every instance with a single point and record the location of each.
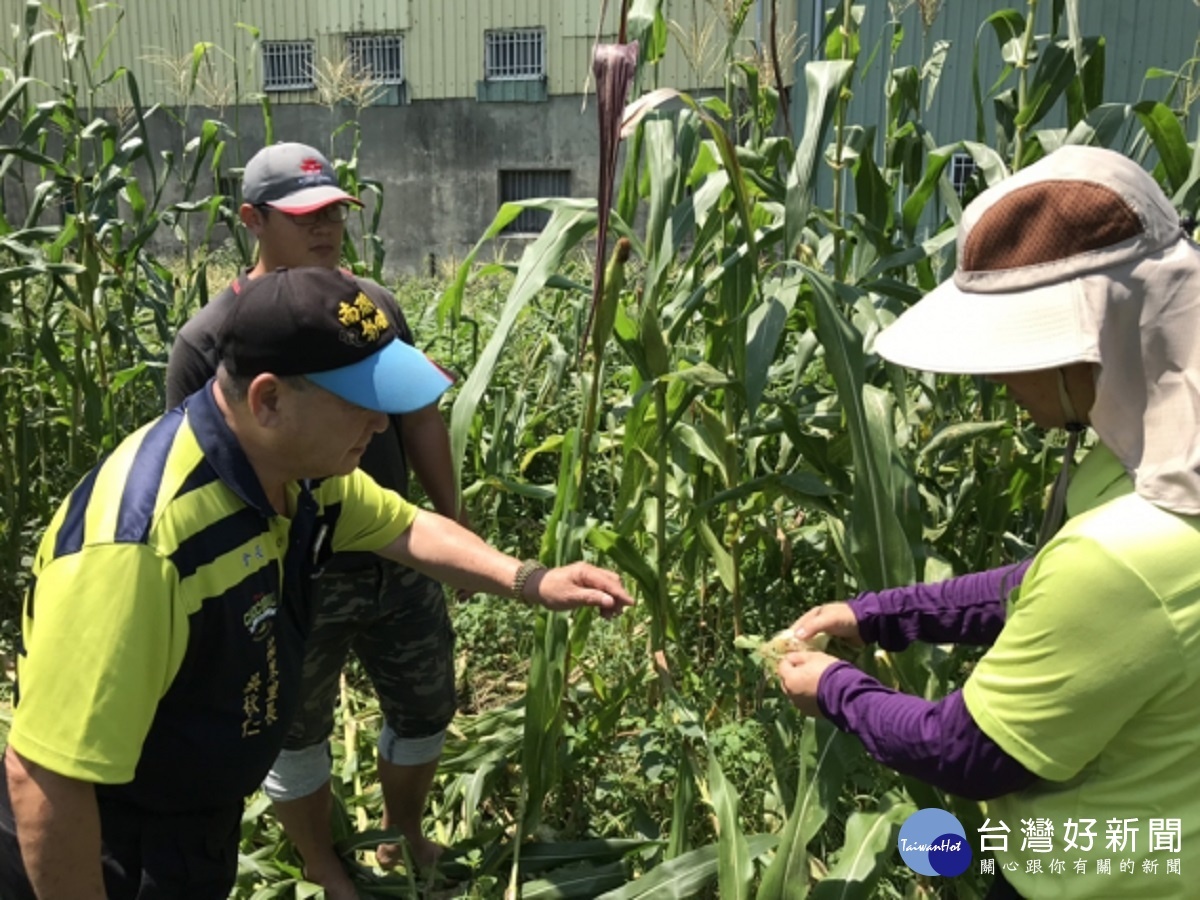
(938, 743)
(968, 609)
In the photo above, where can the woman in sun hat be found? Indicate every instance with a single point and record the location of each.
(1078, 290)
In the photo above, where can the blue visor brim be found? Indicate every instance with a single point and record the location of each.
(397, 379)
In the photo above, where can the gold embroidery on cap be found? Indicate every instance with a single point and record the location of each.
(362, 312)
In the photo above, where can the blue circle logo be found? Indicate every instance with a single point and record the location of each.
(933, 842)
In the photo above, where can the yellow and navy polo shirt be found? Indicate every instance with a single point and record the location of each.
(163, 635)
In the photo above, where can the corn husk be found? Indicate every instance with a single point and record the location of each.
(774, 648)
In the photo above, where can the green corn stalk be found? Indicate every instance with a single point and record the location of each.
(606, 313)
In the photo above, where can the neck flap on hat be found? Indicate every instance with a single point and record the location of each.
(1147, 408)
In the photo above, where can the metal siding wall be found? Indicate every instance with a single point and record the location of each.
(156, 39)
(444, 45)
(1135, 42)
(279, 20)
(695, 50)
(576, 56)
(443, 56)
(235, 62)
(691, 21)
(466, 67)
(565, 66)
(443, 41)
(47, 54)
(952, 115)
(581, 17)
(352, 16)
(446, 42)
(1140, 36)
(119, 50)
(418, 44)
(568, 59)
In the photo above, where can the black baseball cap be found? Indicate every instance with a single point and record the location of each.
(292, 178)
(318, 323)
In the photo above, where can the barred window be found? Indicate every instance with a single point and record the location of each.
(381, 56)
(231, 187)
(288, 65)
(962, 167)
(514, 54)
(532, 184)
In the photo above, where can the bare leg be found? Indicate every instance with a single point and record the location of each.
(307, 823)
(405, 790)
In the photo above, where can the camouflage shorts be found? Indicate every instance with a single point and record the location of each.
(395, 620)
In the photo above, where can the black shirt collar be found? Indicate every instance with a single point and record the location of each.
(222, 450)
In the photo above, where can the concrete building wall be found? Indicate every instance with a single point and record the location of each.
(438, 166)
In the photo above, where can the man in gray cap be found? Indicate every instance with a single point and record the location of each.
(393, 618)
(1079, 291)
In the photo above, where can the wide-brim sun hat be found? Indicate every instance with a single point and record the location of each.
(1080, 258)
(1033, 251)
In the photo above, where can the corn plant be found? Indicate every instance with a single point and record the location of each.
(741, 330)
(700, 407)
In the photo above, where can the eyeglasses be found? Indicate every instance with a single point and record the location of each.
(334, 213)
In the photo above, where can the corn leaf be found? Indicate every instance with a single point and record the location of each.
(878, 547)
(869, 846)
(582, 881)
(734, 869)
(541, 260)
(825, 80)
(1164, 128)
(685, 875)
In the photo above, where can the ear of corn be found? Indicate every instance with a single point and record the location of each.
(771, 650)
